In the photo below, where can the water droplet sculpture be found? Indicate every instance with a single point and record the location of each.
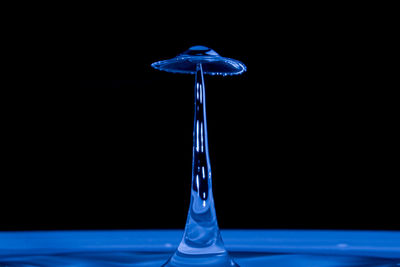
(201, 244)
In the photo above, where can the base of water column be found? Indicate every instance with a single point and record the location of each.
(179, 259)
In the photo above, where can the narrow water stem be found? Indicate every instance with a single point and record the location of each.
(201, 233)
(201, 244)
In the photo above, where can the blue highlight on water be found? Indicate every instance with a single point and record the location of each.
(201, 243)
(152, 248)
(212, 63)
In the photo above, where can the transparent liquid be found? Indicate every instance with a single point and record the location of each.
(156, 259)
(202, 240)
(250, 248)
(201, 243)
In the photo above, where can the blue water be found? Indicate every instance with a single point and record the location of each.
(212, 63)
(156, 259)
(202, 241)
(250, 248)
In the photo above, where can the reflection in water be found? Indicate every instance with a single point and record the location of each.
(156, 259)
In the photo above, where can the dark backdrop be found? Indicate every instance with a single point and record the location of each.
(97, 139)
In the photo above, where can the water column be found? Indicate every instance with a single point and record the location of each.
(201, 244)
(201, 233)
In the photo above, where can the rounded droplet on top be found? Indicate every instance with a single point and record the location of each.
(212, 63)
(199, 50)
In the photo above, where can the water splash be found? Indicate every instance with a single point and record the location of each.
(212, 63)
(201, 243)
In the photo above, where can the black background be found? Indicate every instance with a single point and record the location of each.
(94, 138)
